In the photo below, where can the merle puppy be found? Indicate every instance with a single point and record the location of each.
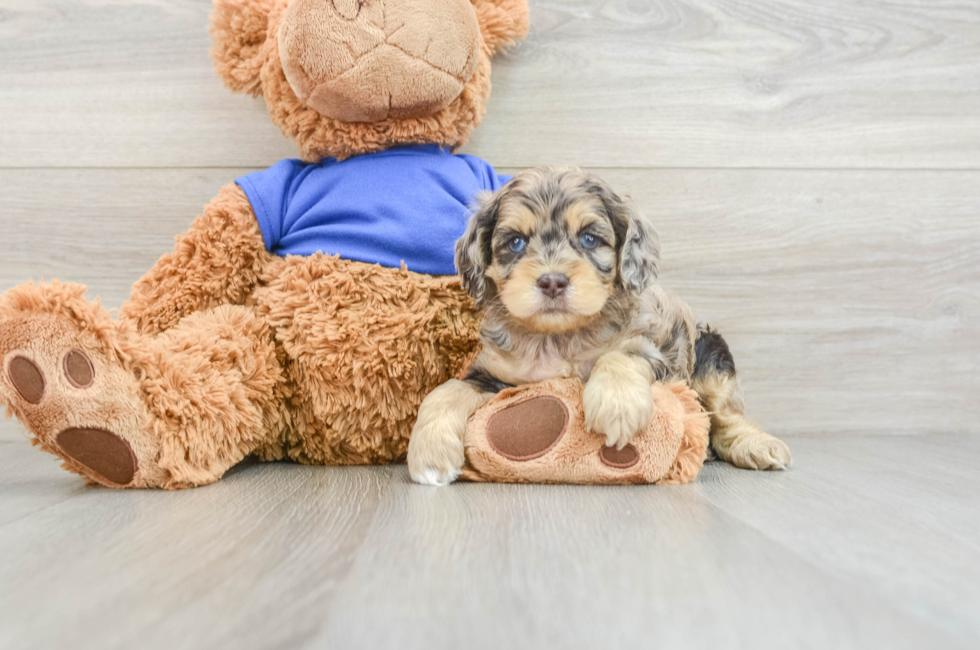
(565, 270)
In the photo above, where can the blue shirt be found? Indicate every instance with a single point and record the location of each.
(407, 204)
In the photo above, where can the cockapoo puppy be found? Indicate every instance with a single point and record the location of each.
(565, 270)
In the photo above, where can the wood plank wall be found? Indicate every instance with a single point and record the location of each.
(814, 169)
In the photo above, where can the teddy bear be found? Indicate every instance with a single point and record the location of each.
(311, 306)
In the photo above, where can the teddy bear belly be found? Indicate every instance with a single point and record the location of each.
(362, 345)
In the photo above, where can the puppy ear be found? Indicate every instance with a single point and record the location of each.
(637, 240)
(238, 42)
(473, 249)
(639, 259)
(502, 22)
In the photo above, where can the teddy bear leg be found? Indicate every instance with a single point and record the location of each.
(215, 392)
(124, 410)
(65, 376)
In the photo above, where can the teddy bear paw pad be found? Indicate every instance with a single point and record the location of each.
(619, 458)
(78, 369)
(101, 451)
(27, 379)
(529, 429)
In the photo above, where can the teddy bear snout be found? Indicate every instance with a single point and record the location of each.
(371, 60)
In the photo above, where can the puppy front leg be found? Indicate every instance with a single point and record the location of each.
(435, 450)
(617, 399)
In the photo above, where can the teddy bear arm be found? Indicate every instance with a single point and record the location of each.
(216, 262)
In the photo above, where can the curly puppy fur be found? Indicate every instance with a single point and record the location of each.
(565, 270)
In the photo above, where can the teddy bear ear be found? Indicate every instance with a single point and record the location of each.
(502, 22)
(238, 36)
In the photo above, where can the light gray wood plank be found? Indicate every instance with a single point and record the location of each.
(485, 566)
(127, 83)
(250, 562)
(32, 480)
(666, 83)
(898, 513)
(851, 301)
(101, 228)
(769, 83)
(865, 542)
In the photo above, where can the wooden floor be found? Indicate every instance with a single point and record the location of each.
(868, 542)
(814, 170)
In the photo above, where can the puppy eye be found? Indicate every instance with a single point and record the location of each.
(517, 244)
(589, 242)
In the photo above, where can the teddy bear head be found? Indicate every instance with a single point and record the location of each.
(347, 77)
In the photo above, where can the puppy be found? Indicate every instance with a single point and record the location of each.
(565, 270)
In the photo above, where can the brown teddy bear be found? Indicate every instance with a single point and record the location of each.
(248, 339)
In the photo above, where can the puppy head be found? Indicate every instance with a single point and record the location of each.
(553, 245)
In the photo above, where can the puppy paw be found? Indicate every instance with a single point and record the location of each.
(435, 455)
(617, 407)
(761, 452)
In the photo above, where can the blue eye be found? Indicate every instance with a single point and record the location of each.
(589, 242)
(517, 244)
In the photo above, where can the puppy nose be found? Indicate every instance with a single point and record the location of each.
(553, 284)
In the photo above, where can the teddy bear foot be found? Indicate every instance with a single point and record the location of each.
(63, 380)
(530, 429)
(106, 456)
(537, 434)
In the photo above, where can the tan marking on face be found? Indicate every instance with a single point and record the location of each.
(519, 291)
(579, 215)
(587, 290)
(585, 297)
(516, 216)
(493, 272)
(555, 322)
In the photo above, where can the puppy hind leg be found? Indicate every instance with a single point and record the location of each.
(435, 450)
(734, 438)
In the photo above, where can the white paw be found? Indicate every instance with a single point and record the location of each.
(760, 452)
(617, 407)
(435, 455)
(433, 476)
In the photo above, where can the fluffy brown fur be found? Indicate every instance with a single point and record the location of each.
(566, 270)
(327, 364)
(364, 344)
